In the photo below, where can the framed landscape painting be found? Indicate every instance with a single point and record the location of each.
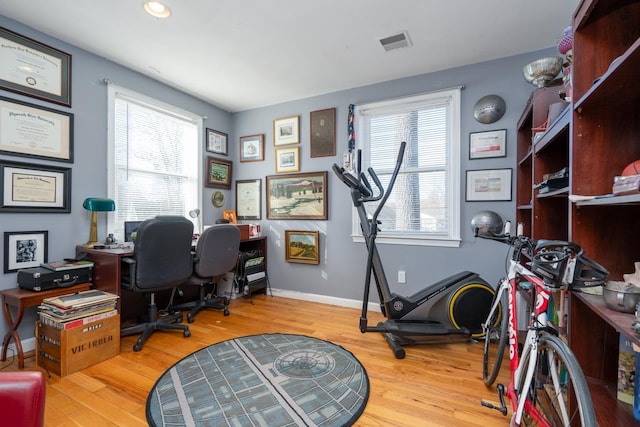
(297, 196)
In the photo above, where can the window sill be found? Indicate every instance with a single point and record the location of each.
(411, 241)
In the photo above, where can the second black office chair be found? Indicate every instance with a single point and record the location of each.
(162, 259)
(216, 254)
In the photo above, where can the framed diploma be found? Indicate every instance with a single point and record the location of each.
(249, 199)
(34, 188)
(483, 145)
(34, 69)
(32, 131)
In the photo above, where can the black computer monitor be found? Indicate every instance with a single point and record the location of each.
(130, 227)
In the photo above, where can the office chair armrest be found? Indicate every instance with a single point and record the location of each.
(129, 276)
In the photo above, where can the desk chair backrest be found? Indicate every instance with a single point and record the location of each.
(163, 253)
(217, 250)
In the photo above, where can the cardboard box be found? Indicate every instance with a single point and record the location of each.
(65, 351)
(626, 370)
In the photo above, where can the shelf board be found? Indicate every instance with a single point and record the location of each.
(559, 126)
(561, 192)
(526, 159)
(618, 84)
(630, 199)
(524, 207)
(621, 322)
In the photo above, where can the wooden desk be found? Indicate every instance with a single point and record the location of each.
(107, 271)
(21, 299)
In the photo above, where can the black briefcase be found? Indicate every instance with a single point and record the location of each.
(41, 279)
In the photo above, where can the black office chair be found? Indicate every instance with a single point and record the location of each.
(162, 259)
(216, 253)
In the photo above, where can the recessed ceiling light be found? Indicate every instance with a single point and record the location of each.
(157, 9)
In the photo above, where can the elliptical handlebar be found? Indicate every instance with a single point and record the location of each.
(362, 185)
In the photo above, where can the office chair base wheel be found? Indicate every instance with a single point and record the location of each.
(190, 318)
(137, 347)
(187, 333)
(226, 312)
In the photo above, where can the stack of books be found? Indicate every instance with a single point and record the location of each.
(81, 308)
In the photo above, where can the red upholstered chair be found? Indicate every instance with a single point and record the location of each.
(22, 397)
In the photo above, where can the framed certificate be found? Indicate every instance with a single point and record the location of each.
(30, 130)
(249, 199)
(34, 69)
(34, 188)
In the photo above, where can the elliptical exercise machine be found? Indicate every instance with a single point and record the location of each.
(451, 309)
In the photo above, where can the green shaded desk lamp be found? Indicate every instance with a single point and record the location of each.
(95, 205)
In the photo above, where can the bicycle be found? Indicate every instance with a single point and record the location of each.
(547, 386)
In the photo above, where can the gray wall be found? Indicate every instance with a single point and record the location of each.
(342, 262)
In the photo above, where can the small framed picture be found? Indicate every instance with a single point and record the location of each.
(302, 247)
(25, 249)
(218, 173)
(323, 133)
(252, 148)
(484, 145)
(286, 131)
(489, 184)
(287, 159)
(217, 142)
(230, 215)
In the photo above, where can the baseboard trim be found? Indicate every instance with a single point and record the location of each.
(324, 299)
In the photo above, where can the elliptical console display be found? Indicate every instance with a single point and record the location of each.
(450, 309)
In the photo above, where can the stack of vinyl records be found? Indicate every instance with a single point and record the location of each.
(68, 311)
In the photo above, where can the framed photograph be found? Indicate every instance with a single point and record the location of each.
(24, 249)
(302, 247)
(29, 130)
(287, 159)
(230, 215)
(34, 188)
(323, 133)
(489, 184)
(286, 131)
(249, 199)
(484, 145)
(218, 173)
(217, 142)
(217, 199)
(252, 148)
(297, 196)
(34, 69)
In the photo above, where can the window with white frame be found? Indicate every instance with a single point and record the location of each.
(424, 206)
(154, 159)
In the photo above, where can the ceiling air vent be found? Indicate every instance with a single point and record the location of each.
(395, 41)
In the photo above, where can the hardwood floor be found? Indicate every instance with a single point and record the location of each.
(434, 385)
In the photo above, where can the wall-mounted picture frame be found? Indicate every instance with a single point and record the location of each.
(31, 188)
(217, 199)
(218, 173)
(323, 133)
(287, 159)
(230, 215)
(302, 246)
(489, 185)
(25, 249)
(34, 131)
(485, 145)
(249, 199)
(217, 142)
(252, 148)
(297, 196)
(286, 131)
(34, 69)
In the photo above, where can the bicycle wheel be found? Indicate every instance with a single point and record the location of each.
(495, 339)
(558, 394)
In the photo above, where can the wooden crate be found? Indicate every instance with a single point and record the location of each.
(65, 351)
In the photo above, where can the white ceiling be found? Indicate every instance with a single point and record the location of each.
(243, 54)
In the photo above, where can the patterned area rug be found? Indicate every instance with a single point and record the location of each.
(262, 380)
